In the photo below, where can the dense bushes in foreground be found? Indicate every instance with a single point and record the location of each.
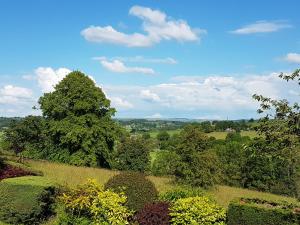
(90, 204)
(197, 210)
(261, 212)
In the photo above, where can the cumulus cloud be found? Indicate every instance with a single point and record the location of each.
(47, 77)
(206, 96)
(157, 27)
(262, 27)
(292, 58)
(14, 95)
(147, 95)
(155, 116)
(120, 103)
(118, 66)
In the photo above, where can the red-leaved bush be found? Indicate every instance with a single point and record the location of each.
(11, 171)
(154, 214)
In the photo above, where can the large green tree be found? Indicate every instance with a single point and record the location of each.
(133, 153)
(198, 165)
(78, 120)
(273, 159)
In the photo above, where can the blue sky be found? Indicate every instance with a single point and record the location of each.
(156, 59)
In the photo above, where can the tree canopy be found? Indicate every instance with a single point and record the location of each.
(79, 124)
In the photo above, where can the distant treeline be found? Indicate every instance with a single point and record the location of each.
(144, 125)
(5, 121)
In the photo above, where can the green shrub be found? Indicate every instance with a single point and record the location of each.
(260, 212)
(133, 153)
(203, 170)
(138, 189)
(25, 200)
(182, 192)
(165, 163)
(90, 204)
(197, 210)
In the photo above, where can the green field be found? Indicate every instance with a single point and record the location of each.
(71, 176)
(216, 134)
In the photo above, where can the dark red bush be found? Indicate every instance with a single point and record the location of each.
(11, 171)
(154, 214)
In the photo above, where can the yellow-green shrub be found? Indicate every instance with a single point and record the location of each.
(197, 211)
(100, 206)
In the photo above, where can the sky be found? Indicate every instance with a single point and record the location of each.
(153, 59)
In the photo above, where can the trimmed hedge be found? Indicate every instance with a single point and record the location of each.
(137, 188)
(25, 200)
(261, 212)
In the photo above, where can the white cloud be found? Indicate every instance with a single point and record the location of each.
(47, 77)
(13, 95)
(14, 91)
(292, 58)
(140, 59)
(147, 95)
(118, 103)
(262, 27)
(206, 96)
(155, 116)
(156, 24)
(118, 66)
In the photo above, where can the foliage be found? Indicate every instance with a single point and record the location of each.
(266, 168)
(133, 153)
(192, 140)
(78, 119)
(25, 200)
(6, 121)
(181, 192)
(91, 201)
(71, 176)
(163, 138)
(197, 166)
(232, 156)
(165, 163)
(261, 212)
(138, 189)
(227, 124)
(26, 133)
(273, 160)
(146, 136)
(9, 171)
(2, 164)
(207, 126)
(154, 214)
(203, 170)
(197, 210)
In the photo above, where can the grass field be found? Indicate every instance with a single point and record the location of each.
(217, 134)
(71, 175)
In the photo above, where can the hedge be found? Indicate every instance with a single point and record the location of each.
(246, 211)
(25, 200)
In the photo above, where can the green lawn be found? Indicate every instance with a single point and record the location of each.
(71, 175)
